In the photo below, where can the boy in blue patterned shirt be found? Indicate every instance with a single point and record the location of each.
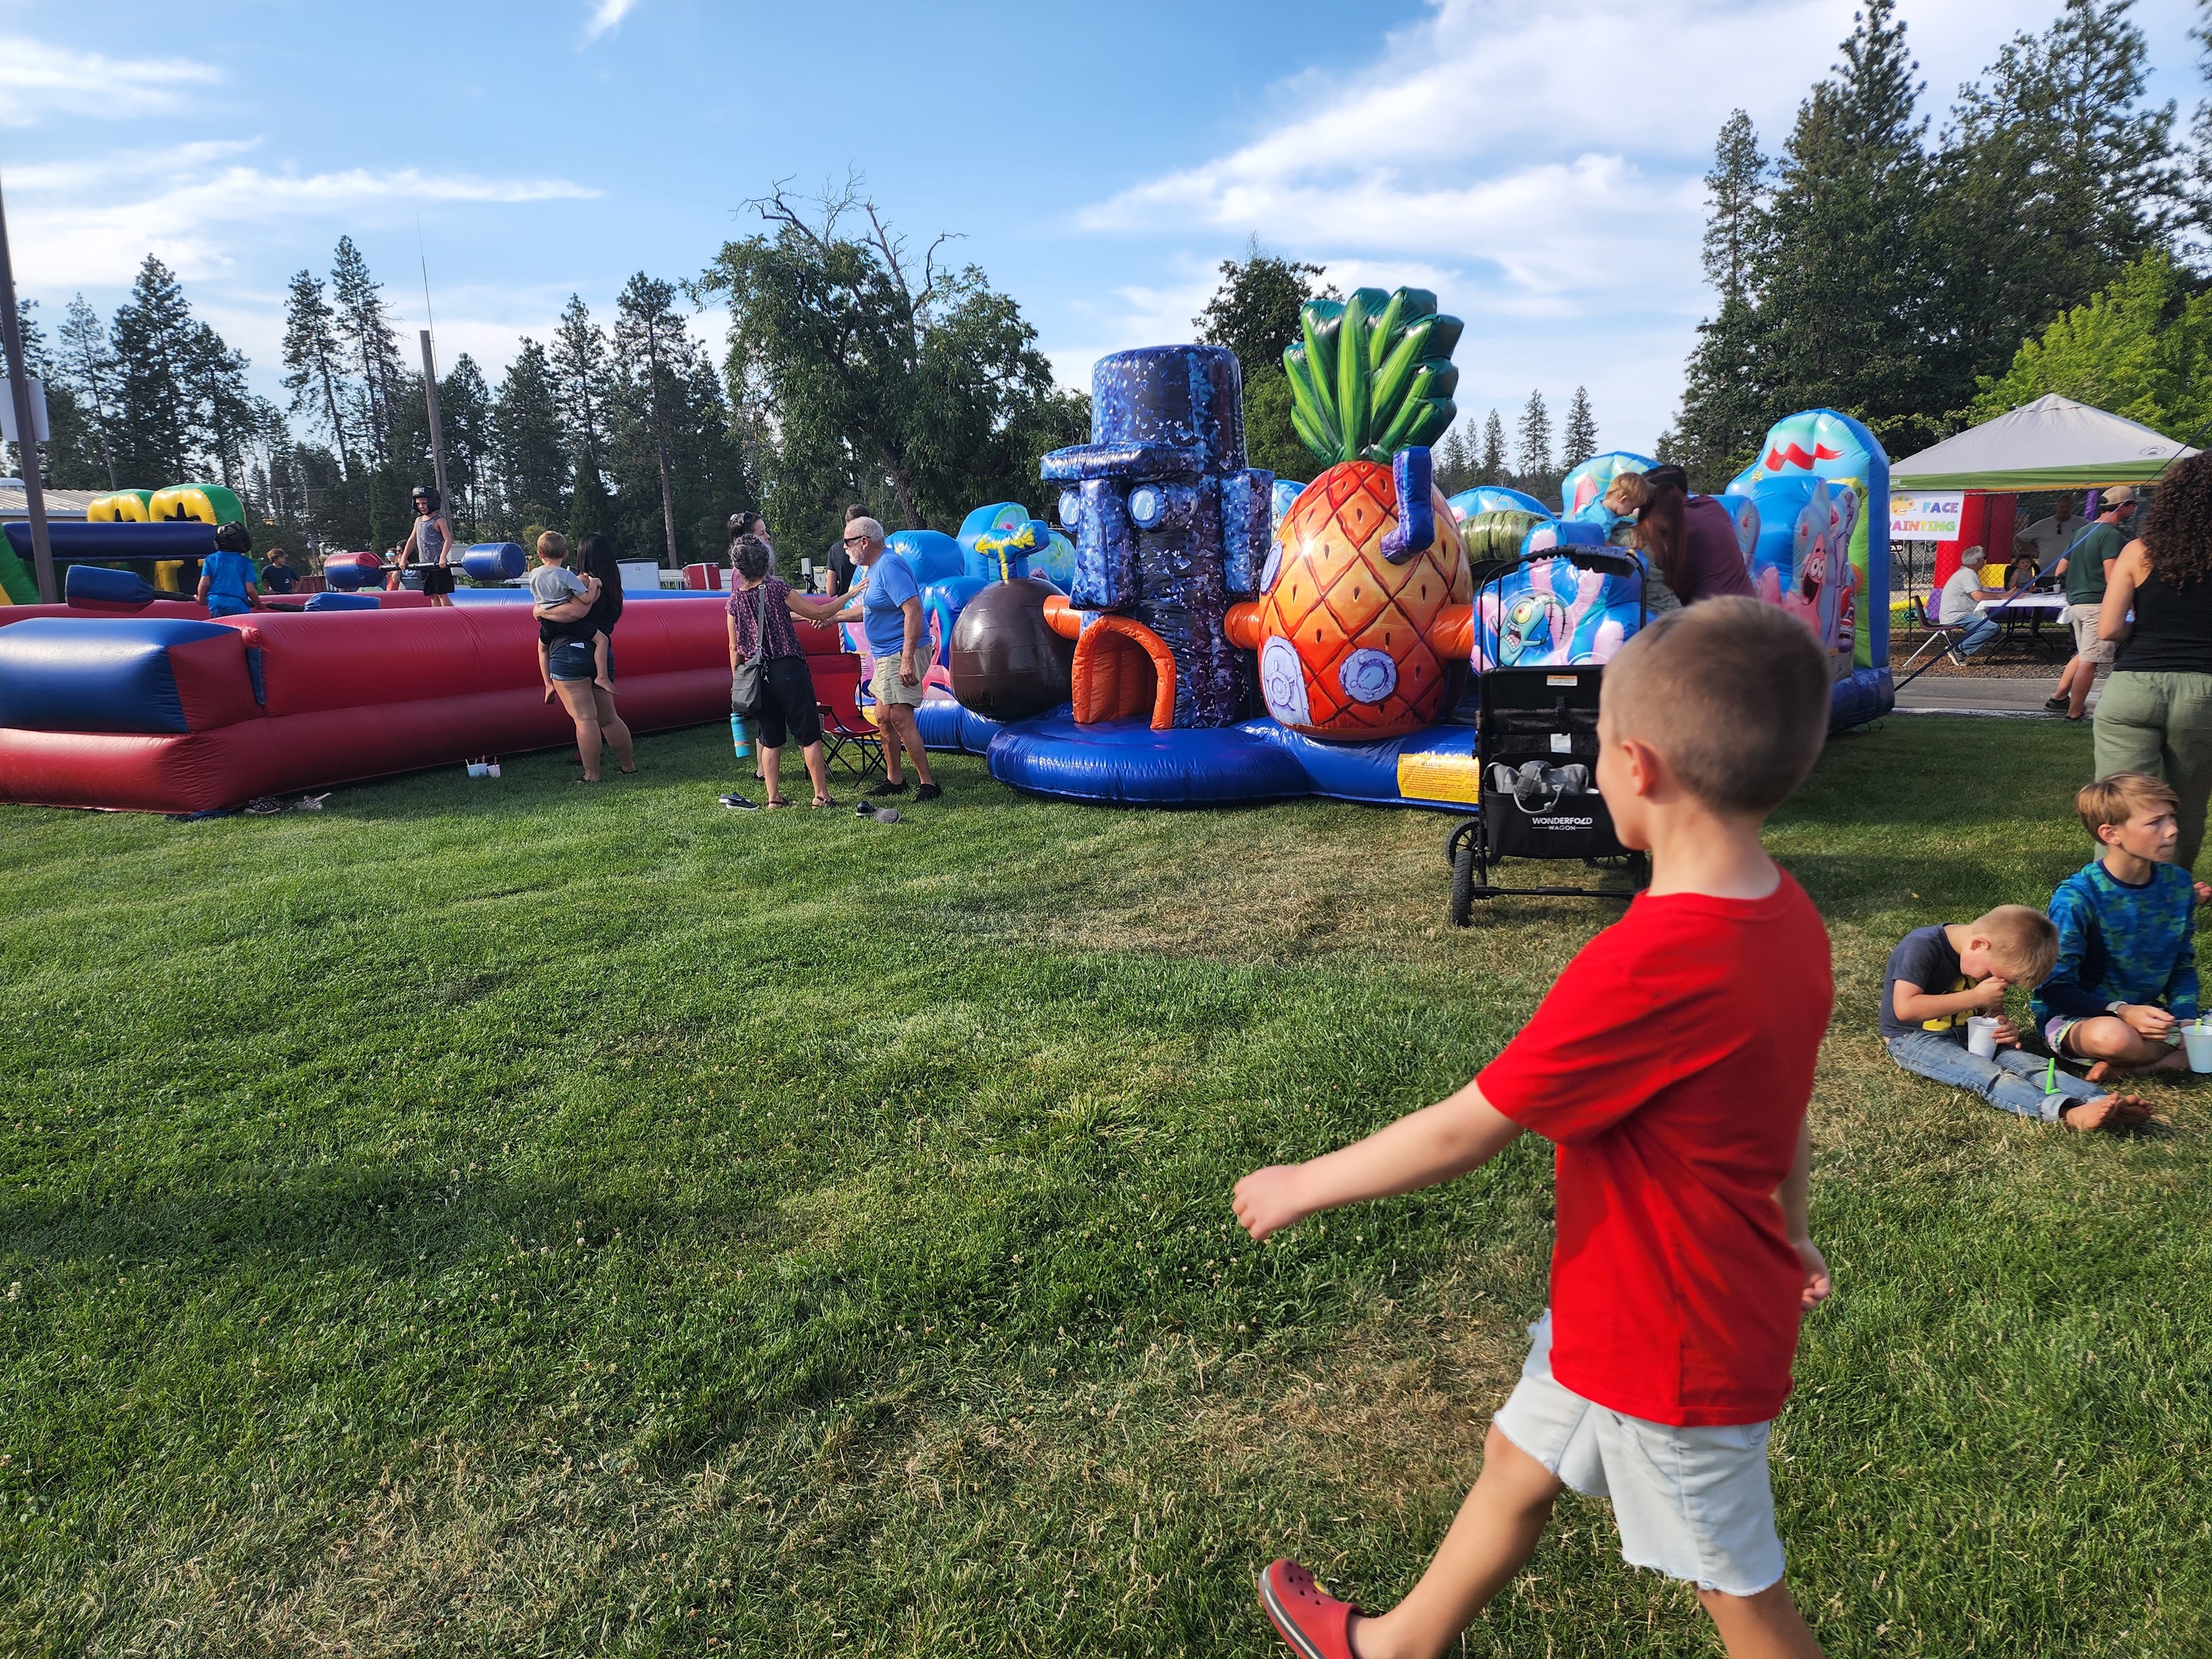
(2126, 977)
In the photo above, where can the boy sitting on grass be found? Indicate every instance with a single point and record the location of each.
(2126, 977)
(1939, 977)
(1671, 1064)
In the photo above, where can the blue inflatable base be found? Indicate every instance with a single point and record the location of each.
(1863, 694)
(1125, 763)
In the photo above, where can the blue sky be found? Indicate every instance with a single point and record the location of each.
(1538, 168)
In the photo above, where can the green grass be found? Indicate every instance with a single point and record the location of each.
(505, 1218)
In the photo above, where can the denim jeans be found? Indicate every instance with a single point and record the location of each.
(1980, 632)
(2013, 1082)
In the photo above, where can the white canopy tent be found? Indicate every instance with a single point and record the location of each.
(2053, 443)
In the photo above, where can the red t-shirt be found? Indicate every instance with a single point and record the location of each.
(1671, 1065)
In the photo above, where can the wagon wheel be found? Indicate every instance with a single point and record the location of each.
(1461, 848)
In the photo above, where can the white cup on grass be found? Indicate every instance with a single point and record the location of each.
(1982, 1036)
(2196, 1038)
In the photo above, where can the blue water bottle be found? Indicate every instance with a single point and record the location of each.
(741, 736)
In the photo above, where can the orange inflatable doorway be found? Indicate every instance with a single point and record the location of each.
(1123, 671)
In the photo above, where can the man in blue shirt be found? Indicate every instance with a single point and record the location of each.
(278, 575)
(228, 580)
(888, 608)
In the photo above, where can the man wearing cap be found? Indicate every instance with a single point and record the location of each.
(2086, 566)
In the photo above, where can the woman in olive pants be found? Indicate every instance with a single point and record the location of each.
(2155, 715)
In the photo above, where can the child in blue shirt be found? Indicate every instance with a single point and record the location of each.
(2126, 977)
(227, 578)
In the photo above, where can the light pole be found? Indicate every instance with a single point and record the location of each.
(27, 433)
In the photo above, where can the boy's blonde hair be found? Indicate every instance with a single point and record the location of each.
(1734, 692)
(2023, 942)
(2117, 799)
(552, 546)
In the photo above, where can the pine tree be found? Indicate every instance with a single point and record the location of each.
(652, 350)
(154, 338)
(1493, 468)
(2052, 180)
(314, 360)
(464, 409)
(225, 418)
(89, 366)
(579, 360)
(1455, 463)
(1578, 438)
(1533, 460)
(363, 324)
(1848, 284)
(1724, 412)
(527, 429)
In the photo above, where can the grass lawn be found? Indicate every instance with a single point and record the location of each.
(505, 1218)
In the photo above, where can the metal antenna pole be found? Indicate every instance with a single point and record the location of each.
(27, 434)
(437, 437)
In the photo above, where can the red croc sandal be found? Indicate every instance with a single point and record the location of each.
(1316, 1625)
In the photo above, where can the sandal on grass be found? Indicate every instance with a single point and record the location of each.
(1315, 1624)
(775, 805)
(821, 801)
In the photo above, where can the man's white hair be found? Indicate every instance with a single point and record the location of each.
(868, 527)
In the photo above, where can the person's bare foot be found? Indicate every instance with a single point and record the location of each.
(2107, 1112)
(2099, 1071)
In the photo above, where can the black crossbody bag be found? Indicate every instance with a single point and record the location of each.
(745, 686)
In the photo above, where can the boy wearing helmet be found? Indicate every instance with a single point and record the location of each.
(429, 544)
(228, 582)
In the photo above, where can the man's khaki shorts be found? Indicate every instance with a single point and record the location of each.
(887, 687)
(2087, 645)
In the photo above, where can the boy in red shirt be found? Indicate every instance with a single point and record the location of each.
(1671, 1064)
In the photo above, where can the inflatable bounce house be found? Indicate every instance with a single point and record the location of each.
(1195, 630)
(1227, 645)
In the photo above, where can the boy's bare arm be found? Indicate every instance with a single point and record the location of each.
(1423, 1149)
(1794, 1196)
(1912, 1003)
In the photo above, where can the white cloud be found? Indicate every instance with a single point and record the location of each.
(1539, 168)
(90, 221)
(36, 79)
(607, 15)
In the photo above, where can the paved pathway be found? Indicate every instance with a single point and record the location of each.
(1999, 699)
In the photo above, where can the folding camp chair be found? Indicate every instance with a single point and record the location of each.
(1942, 644)
(847, 738)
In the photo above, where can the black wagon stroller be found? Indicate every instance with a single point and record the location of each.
(1536, 748)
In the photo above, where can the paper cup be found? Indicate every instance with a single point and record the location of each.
(2196, 1038)
(1982, 1036)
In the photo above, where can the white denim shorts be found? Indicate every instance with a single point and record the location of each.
(1694, 1503)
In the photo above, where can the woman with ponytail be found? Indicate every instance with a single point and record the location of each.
(1690, 540)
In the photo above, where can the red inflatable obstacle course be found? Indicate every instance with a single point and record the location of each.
(172, 713)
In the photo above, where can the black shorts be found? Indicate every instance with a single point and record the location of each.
(788, 711)
(438, 579)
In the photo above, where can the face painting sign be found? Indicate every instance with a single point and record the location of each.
(1926, 518)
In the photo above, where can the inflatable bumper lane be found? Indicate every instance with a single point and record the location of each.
(170, 715)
